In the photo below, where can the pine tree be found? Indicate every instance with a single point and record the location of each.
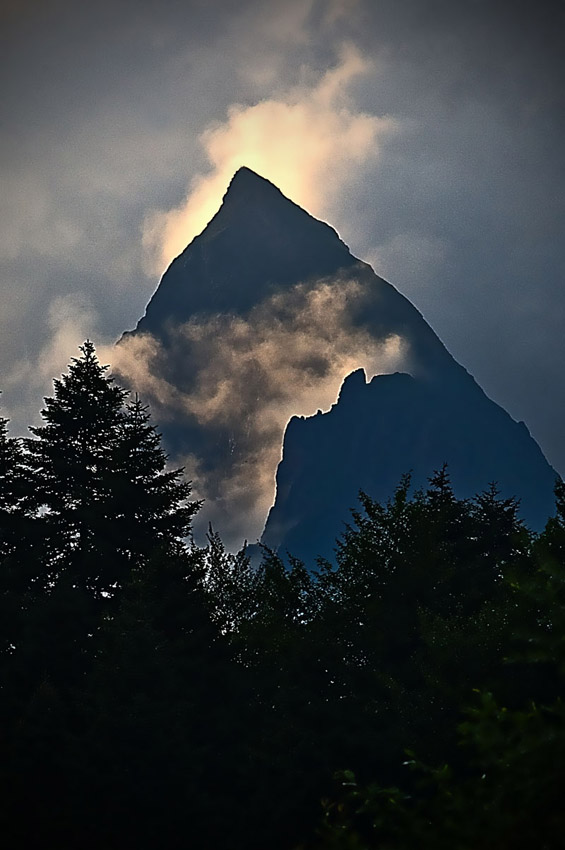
(232, 586)
(70, 461)
(149, 504)
(14, 525)
(12, 489)
(101, 484)
(21, 550)
(10, 470)
(552, 540)
(112, 577)
(103, 504)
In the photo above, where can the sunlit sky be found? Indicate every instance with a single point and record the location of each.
(430, 134)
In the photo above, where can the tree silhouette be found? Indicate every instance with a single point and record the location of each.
(148, 503)
(114, 592)
(70, 459)
(501, 787)
(16, 558)
(100, 484)
(11, 467)
(152, 693)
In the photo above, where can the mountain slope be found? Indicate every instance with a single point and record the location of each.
(260, 243)
(260, 318)
(393, 425)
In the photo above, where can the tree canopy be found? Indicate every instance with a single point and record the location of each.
(154, 693)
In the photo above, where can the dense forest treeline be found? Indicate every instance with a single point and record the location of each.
(158, 694)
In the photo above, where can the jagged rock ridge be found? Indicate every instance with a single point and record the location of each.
(393, 425)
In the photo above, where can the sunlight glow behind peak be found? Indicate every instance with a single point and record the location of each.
(307, 141)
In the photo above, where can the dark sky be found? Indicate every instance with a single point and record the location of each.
(430, 134)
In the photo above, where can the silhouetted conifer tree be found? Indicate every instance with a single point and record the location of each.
(148, 503)
(71, 461)
(20, 560)
(12, 527)
(552, 540)
(11, 490)
(11, 475)
(501, 786)
(232, 587)
(101, 487)
(158, 695)
(111, 575)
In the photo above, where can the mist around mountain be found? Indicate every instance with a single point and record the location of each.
(259, 320)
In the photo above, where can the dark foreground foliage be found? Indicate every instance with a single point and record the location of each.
(154, 694)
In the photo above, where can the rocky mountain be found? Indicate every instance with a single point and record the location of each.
(260, 243)
(392, 425)
(258, 322)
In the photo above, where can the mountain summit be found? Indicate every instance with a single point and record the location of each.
(257, 199)
(247, 189)
(258, 322)
(258, 241)
(261, 243)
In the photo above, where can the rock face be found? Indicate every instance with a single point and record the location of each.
(260, 243)
(258, 267)
(395, 424)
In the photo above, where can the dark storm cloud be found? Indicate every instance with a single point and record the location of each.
(104, 106)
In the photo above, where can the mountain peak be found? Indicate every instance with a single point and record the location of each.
(352, 385)
(246, 186)
(258, 242)
(246, 174)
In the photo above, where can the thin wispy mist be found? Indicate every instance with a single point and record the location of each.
(238, 380)
(71, 319)
(309, 140)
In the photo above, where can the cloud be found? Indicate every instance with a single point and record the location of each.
(248, 376)
(71, 319)
(308, 141)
